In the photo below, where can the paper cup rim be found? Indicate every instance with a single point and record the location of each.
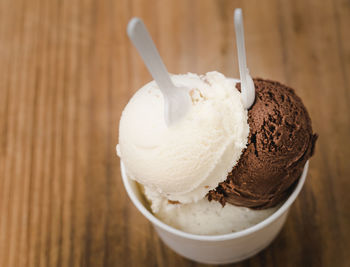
(285, 206)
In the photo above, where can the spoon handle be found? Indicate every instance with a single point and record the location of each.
(143, 42)
(247, 88)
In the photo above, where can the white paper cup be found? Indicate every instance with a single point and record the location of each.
(217, 249)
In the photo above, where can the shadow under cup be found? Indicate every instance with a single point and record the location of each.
(217, 249)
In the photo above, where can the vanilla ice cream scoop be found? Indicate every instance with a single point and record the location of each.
(186, 160)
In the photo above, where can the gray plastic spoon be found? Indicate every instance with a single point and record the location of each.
(176, 99)
(247, 84)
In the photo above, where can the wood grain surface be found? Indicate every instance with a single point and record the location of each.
(67, 70)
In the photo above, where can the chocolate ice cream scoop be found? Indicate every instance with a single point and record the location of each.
(280, 142)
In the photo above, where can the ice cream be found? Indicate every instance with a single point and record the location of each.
(210, 217)
(280, 142)
(181, 163)
(219, 151)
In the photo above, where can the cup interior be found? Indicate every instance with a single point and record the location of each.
(140, 203)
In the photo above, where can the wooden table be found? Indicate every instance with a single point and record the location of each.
(67, 70)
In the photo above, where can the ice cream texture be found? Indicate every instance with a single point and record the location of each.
(207, 217)
(281, 140)
(181, 163)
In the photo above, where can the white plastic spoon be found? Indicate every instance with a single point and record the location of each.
(176, 99)
(247, 84)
